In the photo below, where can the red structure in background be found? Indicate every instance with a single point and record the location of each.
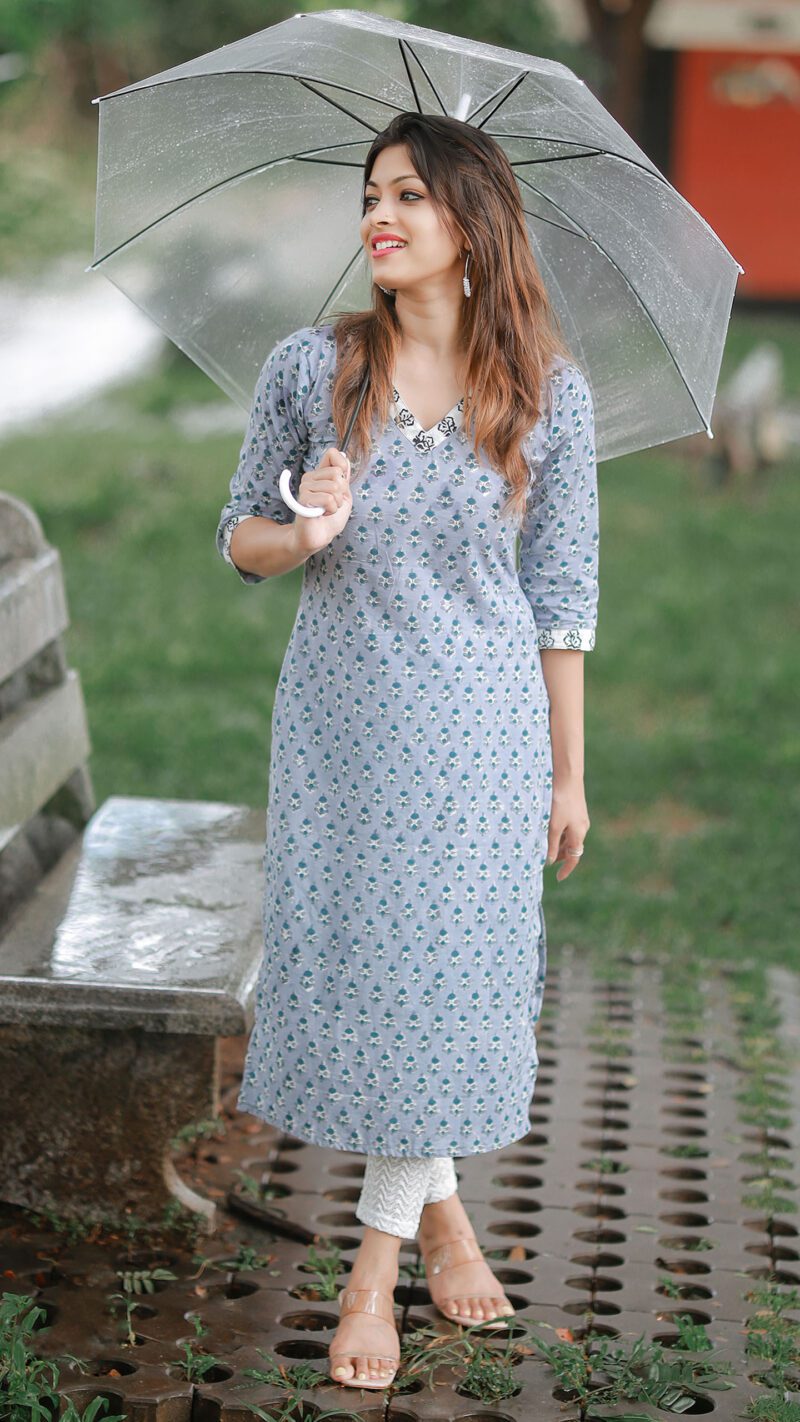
(735, 156)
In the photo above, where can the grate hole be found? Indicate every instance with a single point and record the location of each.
(601, 1260)
(301, 1348)
(600, 1186)
(349, 1192)
(685, 1172)
(684, 1197)
(461, 1390)
(516, 1202)
(695, 1314)
(101, 1367)
(696, 1112)
(692, 1221)
(773, 1251)
(773, 1226)
(342, 1241)
(683, 1241)
(594, 1330)
(341, 1217)
(593, 1283)
(684, 1074)
(600, 1236)
(775, 1276)
(692, 1132)
(306, 1322)
(599, 1306)
(601, 1212)
(516, 1182)
(687, 1291)
(606, 1122)
(684, 1266)
(514, 1228)
(606, 1145)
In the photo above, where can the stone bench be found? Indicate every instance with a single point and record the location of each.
(130, 935)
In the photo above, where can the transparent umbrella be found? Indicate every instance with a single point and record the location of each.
(229, 191)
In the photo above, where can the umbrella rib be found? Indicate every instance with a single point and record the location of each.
(410, 75)
(575, 143)
(338, 283)
(559, 158)
(549, 220)
(629, 284)
(245, 73)
(306, 85)
(434, 89)
(504, 92)
(223, 182)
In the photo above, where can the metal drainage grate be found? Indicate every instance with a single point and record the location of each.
(620, 1209)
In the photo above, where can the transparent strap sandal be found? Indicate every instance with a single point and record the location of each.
(380, 1305)
(448, 1256)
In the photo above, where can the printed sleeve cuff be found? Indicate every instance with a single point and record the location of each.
(227, 534)
(576, 639)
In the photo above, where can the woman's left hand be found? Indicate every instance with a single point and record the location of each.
(569, 823)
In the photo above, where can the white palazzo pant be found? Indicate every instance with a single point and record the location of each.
(396, 1188)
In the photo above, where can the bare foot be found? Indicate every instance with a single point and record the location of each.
(467, 1289)
(366, 1346)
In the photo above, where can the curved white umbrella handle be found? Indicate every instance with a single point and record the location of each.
(289, 498)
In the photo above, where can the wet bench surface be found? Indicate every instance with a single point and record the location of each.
(120, 974)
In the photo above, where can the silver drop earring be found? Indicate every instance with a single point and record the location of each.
(389, 291)
(467, 286)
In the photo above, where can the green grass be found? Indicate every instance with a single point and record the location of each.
(692, 740)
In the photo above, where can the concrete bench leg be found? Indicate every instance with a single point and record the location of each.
(86, 1117)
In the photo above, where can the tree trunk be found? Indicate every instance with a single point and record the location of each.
(617, 29)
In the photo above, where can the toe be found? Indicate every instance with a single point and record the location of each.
(362, 1368)
(465, 1307)
(343, 1370)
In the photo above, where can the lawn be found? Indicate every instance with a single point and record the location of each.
(692, 741)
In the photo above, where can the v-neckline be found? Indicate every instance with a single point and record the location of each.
(421, 438)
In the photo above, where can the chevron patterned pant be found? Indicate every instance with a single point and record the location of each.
(396, 1188)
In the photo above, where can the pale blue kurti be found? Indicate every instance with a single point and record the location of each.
(410, 775)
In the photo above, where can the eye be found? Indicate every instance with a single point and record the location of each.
(407, 192)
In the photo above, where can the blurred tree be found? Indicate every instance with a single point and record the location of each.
(617, 29)
(90, 47)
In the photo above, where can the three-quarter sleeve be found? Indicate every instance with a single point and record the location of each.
(559, 542)
(276, 438)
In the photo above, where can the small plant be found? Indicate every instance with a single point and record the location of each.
(327, 1268)
(692, 1337)
(194, 1366)
(646, 1373)
(250, 1186)
(134, 1283)
(210, 1129)
(294, 1380)
(28, 1384)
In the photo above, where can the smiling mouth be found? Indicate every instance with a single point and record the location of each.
(382, 251)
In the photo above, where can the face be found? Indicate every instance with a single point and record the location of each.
(397, 202)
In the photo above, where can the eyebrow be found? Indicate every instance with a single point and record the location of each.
(370, 183)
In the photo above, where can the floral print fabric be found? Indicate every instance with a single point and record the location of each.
(410, 774)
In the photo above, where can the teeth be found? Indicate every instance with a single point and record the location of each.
(381, 246)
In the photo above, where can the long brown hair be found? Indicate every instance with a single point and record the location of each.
(510, 333)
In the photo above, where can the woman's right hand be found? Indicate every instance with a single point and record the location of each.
(328, 487)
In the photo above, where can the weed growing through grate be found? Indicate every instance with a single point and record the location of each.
(487, 1368)
(29, 1384)
(136, 1282)
(248, 1185)
(194, 1366)
(293, 1380)
(774, 1338)
(604, 1165)
(646, 1373)
(327, 1268)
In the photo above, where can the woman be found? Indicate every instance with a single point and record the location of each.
(427, 737)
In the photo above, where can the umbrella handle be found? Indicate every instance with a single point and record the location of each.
(288, 497)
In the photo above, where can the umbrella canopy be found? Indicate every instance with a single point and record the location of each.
(229, 200)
